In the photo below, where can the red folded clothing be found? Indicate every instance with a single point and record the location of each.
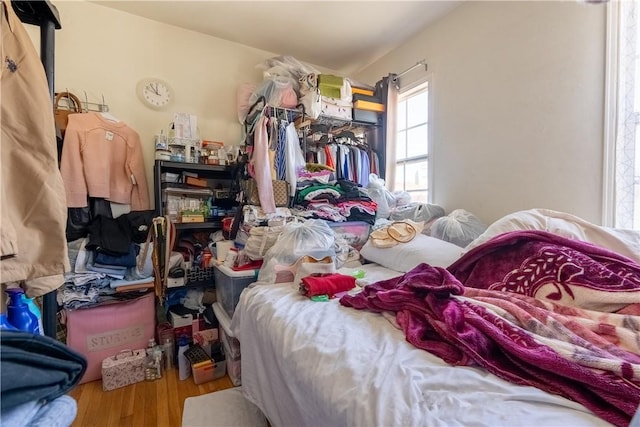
(327, 284)
(253, 265)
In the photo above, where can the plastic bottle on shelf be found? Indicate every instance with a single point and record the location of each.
(18, 312)
(183, 364)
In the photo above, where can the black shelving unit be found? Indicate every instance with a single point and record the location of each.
(214, 174)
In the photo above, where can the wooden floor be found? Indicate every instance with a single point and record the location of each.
(148, 403)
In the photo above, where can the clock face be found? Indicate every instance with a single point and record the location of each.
(155, 93)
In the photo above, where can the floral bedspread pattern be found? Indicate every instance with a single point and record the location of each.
(550, 267)
(532, 308)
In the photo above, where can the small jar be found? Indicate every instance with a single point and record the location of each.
(163, 155)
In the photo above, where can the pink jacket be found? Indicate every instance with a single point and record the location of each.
(101, 158)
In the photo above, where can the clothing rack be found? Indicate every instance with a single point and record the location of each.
(45, 15)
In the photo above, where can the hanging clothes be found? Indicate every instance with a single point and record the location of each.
(364, 180)
(293, 156)
(330, 157)
(281, 161)
(103, 158)
(273, 146)
(375, 163)
(261, 166)
(33, 209)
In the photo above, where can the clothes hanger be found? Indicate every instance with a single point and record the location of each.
(105, 113)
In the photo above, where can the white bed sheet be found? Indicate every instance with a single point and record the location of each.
(308, 363)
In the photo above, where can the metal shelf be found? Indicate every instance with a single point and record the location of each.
(195, 284)
(198, 225)
(165, 164)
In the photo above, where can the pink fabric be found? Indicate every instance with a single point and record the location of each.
(261, 166)
(101, 158)
(101, 332)
(590, 356)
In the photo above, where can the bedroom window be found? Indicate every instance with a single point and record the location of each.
(412, 143)
(622, 120)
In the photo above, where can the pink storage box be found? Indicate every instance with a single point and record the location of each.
(101, 332)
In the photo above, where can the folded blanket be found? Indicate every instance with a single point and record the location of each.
(35, 367)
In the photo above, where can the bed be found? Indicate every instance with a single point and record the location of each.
(322, 363)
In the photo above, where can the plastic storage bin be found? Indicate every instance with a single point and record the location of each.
(233, 368)
(229, 285)
(230, 344)
(365, 116)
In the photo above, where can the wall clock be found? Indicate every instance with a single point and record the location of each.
(155, 93)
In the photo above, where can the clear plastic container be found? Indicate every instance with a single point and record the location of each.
(229, 285)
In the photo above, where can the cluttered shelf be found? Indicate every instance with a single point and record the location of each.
(182, 166)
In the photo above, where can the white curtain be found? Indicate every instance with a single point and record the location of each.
(391, 132)
(627, 208)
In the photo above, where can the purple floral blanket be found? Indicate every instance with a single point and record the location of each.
(532, 308)
(553, 268)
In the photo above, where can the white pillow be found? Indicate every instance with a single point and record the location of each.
(624, 242)
(406, 256)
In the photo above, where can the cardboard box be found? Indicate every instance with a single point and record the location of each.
(189, 217)
(196, 182)
(180, 320)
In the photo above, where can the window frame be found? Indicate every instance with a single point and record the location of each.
(612, 70)
(404, 93)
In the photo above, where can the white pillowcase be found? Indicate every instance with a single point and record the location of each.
(406, 256)
(624, 242)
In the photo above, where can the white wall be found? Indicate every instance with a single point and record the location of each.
(106, 52)
(517, 105)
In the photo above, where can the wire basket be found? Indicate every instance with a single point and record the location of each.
(200, 275)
